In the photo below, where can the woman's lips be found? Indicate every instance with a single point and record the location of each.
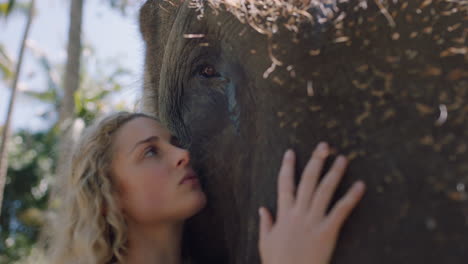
(190, 177)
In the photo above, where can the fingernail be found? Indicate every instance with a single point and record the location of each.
(260, 211)
(359, 186)
(322, 146)
(341, 159)
(288, 154)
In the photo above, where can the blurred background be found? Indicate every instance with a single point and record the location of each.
(62, 64)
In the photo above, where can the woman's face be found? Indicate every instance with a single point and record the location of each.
(154, 176)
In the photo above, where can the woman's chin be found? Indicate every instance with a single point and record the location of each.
(197, 203)
(200, 204)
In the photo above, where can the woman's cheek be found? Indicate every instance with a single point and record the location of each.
(157, 182)
(151, 194)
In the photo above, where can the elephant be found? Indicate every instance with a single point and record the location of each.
(384, 82)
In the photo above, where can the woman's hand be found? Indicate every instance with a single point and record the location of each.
(303, 233)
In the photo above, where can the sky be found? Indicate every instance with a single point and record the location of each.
(113, 37)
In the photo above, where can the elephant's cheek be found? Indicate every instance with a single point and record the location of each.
(204, 116)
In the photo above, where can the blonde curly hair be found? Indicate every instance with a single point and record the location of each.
(90, 227)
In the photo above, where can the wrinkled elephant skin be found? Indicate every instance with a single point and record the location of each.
(388, 87)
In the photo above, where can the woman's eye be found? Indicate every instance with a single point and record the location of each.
(150, 152)
(208, 71)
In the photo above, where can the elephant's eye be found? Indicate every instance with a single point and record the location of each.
(208, 71)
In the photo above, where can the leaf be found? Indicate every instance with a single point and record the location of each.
(32, 217)
(4, 54)
(78, 101)
(5, 71)
(47, 66)
(6, 64)
(3, 9)
(117, 87)
(99, 96)
(49, 96)
(45, 63)
(120, 5)
(11, 4)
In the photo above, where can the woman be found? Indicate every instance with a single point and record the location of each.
(130, 188)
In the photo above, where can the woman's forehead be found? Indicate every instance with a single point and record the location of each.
(139, 129)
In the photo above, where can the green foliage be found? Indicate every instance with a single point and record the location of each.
(6, 64)
(96, 85)
(11, 3)
(30, 172)
(32, 155)
(91, 97)
(119, 4)
(11, 6)
(123, 5)
(5, 8)
(32, 159)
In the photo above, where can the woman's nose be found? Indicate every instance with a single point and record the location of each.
(183, 157)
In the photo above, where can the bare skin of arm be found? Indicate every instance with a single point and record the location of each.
(303, 232)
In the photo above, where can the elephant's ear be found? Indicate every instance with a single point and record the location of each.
(156, 20)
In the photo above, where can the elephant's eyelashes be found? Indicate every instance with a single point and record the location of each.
(208, 71)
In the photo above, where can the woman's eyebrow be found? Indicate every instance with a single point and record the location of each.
(150, 139)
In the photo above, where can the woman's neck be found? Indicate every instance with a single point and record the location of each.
(154, 244)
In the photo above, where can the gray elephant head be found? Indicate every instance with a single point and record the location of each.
(383, 81)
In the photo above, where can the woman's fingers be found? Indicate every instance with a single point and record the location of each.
(327, 186)
(311, 174)
(266, 222)
(345, 206)
(286, 183)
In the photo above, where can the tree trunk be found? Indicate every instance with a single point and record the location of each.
(71, 84)
(6, 128)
